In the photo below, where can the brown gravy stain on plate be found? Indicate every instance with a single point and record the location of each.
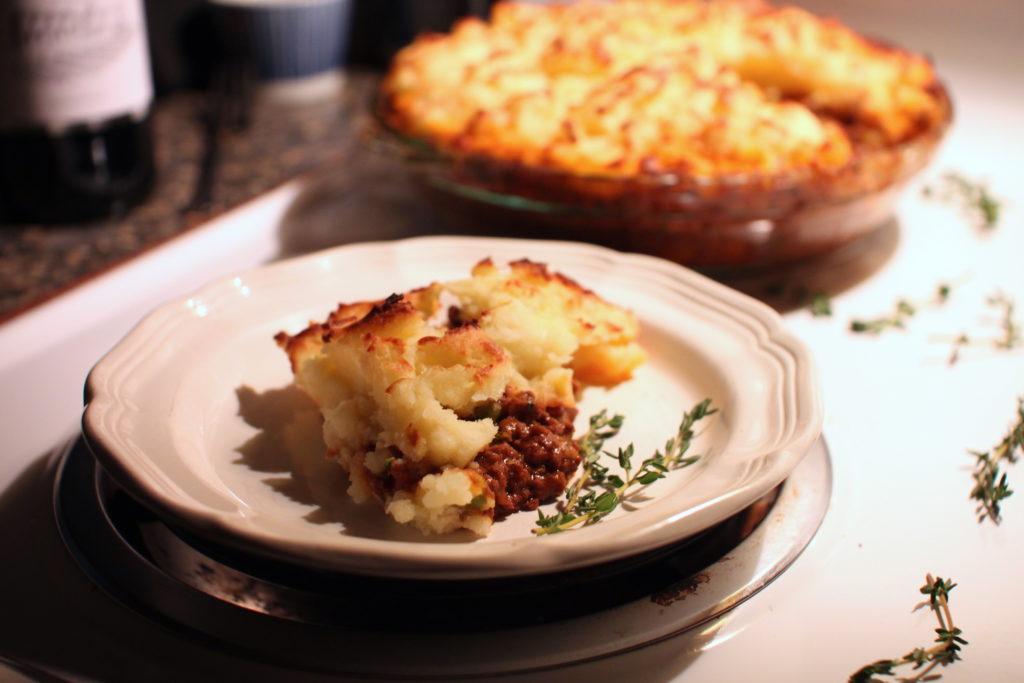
(680, 590)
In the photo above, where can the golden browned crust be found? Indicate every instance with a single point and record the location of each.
(646, 86)
(369, 314)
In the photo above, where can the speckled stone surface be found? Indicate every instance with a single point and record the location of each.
(283, 141)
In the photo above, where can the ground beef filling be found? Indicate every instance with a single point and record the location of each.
(533, 455)
(403, 474)
(529, 462)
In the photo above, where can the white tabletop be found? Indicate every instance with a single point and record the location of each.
(900, 421)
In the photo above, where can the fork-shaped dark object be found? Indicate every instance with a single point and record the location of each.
(228, 109)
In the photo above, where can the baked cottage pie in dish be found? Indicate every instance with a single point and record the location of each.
(659, 119)
(453, 404)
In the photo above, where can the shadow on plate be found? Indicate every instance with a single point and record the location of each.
(289, 445)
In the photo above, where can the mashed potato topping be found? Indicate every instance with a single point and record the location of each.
(451, 423)
(638, 86)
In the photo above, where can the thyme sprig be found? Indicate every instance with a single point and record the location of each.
(600, 429)
(990, 486)
(598, 491)
(924, 660)
(1012, 333)
(1012, 336)
(903, 311)
(972, 196)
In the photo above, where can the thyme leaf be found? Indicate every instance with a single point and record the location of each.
(971, 196)
(990, 486)
(598, 491)
(902, 311)
(821, 306)
(924, 661)
(961, 341)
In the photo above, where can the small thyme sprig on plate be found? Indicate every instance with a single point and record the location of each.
(598, 491)
(1012, 337)
(990, 485)
(972, 196)
(903, 311)
(925, 660)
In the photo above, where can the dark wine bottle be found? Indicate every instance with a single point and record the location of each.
(75, 104)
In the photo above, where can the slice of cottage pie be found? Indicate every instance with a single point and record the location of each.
(453, 404)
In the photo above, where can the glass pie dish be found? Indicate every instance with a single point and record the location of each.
(723, 223)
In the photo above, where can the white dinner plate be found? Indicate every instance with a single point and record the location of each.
(194, 413)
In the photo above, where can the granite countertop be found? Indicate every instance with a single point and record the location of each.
(283, 141)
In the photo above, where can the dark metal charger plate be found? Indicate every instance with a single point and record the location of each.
(357, 625)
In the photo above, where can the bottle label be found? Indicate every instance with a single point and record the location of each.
(66, 63)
